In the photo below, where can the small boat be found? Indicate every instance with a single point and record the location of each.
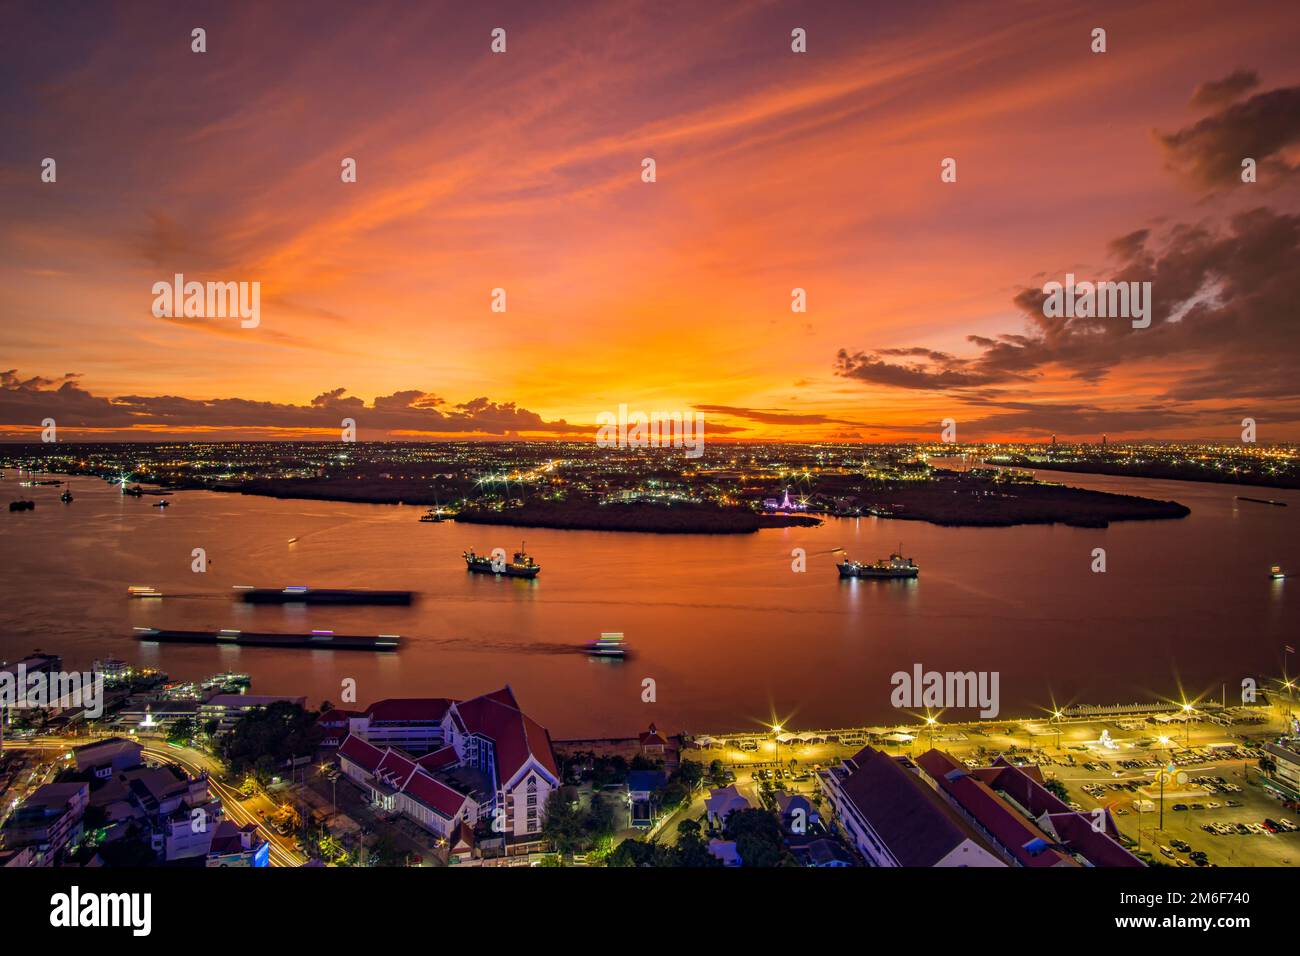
(162, 504)
(292, 540)
(431, 515)
(609, 645)
(143, 592)
(66, 497)
(1276, 572)
(22, 505)
(135, 491)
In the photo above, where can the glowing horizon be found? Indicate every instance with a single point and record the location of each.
(775, 170)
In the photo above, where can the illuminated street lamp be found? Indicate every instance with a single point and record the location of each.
(1056, 717)
(334, 796)
(1188, 710)
(930, 722)
(1164, 772)
(776, 739)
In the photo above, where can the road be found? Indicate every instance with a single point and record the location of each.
(195, 762)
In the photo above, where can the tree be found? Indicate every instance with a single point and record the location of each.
(718, 773)
(1058, 788)
(689, 828)
(562, 825)
(672, 795)
(758, 836)
(692, 851)
(385, 852)
(182, 731)
(607, 770)
(639, 853)
(690, 773)
(599, 823)
(266, 739)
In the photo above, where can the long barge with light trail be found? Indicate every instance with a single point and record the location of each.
(304, 595)
(318, 640)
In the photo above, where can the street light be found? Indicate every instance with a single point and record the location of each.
(776, 739)
(1164, 771)
(1056, 716)
(930, 722)
(334, 785)
(1187, 724)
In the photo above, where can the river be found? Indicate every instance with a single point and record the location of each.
(729, 634)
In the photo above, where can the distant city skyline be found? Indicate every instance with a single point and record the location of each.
(775, 171)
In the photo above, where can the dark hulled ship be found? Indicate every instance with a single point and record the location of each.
(522, 566)
(896, 566)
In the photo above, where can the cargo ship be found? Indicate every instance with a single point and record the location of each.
(895, 566)
(316, 640)
(297, 594)
(523, 566)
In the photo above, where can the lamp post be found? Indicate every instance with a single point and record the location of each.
(1163, 773)
(776, 739)
(930, 722)
(1056, 718)
(334, 785)
(1187, 725)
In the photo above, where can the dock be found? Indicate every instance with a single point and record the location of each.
(315, 640)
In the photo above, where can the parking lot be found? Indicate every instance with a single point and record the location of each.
(1214, 809)
(1215, 780)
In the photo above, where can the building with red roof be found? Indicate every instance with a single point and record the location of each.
(486, 739)
(234, 845)
(1027, 823)
(413, 724)
(491, 734)
(335, 725)
(895, 819)
(652, 744)
(396, 783)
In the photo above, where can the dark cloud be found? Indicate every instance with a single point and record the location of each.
(1218, 92)
(771, 416)
(1072, 418)
(1261, 128)
(26, 402)
(938, 371)
(1223, 320)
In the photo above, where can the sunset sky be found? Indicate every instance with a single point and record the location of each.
(775, 170)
